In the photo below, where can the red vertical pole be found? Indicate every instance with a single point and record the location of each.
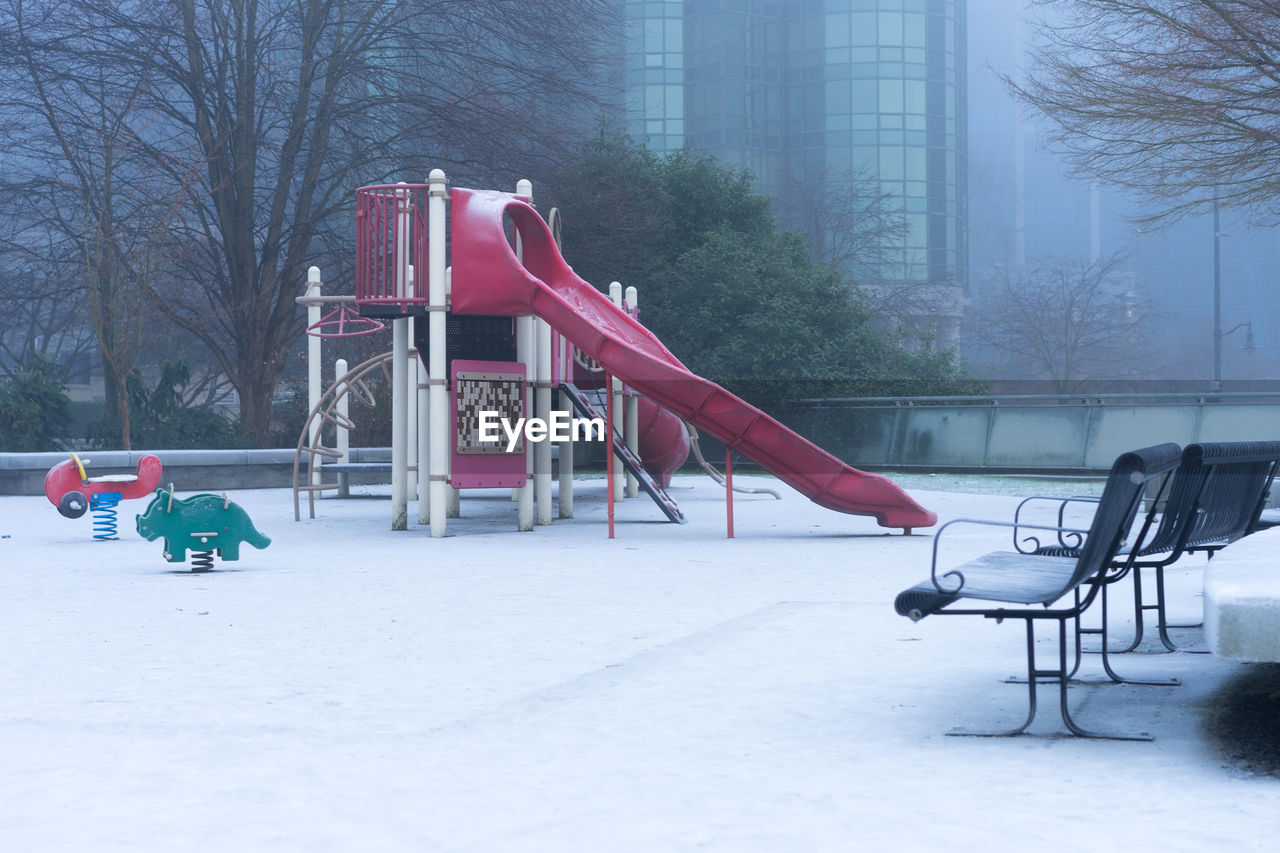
(728, 487)
(608, 443)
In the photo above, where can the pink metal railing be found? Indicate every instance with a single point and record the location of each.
(391, 238)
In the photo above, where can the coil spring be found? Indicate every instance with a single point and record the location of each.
(103, 505)
(201, 561)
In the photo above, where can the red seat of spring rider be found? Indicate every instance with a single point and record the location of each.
(67, 485)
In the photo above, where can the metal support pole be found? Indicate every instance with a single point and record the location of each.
(526, 352)
(436, 352)
(414, 462)
(1217, 297)
(399, 362)
(399, 425)
(542, 394)
(315, 363)
(610, 490)
(542, 450)
(423, 399)
(616, 420)
(728, 488)
(631, 413)
(343, 435)
(566, 458)
(452, 496)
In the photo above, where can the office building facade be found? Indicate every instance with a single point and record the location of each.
(867, 95)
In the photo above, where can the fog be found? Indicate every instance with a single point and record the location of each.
(1028, 209)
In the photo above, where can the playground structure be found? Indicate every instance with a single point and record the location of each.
(508, 322)
(69, 488)
(205, 524)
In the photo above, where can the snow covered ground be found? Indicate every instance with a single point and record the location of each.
(354, 688)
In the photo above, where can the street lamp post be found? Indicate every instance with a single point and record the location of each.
(1217, 297)
(1218, 334)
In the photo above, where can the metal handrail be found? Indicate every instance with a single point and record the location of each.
(1082, 399)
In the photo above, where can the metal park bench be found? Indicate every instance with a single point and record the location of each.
(1027, 586)
(1216, 496)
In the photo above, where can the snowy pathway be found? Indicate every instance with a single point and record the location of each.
(351, 688)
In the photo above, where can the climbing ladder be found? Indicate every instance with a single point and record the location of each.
(591, 404)
(356, 383)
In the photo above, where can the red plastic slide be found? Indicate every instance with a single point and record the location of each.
(488, 278)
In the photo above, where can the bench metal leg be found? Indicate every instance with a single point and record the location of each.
(1062, 676)
(1162, 618)
(1032, 675)
(1106, 655)
(1077, 630)
(1112, 676)
(1140, 609)
(1062, 701)
(1139, 623)
(1137, 619)
(1076, 659)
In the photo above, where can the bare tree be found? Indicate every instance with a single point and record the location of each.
(280, 108)
(1066, 321)
(43, 312)
(108, 202)
(124, 266)
(1165, 97)
(848, 221)
(854, 226)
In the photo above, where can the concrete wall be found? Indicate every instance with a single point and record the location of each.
(988, 434)
(1002, 435)
(188, 470)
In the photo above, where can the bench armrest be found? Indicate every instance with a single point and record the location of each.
(1035, 544)
(957, 583)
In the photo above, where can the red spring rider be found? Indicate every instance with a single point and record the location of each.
(72, 491)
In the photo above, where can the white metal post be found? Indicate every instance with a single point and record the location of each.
(452, 496)
(399, 360)
(440, 432)
(619, 470)
(422, 396)
(411, 410)
(542, 450)
(566, 448)
(344, 413)
(526, 352)
(399, 425)
(566, 466)
(315, 363)
(343, 442)
(413, 462)
(632, 411)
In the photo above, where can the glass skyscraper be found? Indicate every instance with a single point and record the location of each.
(808, 93)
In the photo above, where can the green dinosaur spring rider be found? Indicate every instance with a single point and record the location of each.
(202, 523)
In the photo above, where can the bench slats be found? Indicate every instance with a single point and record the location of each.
(1005, 576)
